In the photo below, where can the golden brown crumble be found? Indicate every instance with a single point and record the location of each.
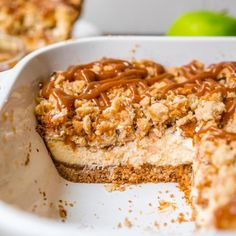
(71, 109)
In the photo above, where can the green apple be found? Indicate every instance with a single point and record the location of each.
(203, 23)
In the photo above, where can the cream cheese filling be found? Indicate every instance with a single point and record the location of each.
(171, 149)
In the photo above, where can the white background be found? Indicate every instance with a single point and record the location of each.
(145, 16)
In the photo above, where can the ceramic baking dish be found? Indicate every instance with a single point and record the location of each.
(35, 200)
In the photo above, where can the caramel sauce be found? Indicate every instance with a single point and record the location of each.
(135, 95)
(230, 106)
(158, 67)
(105, 99)
(86, 75)
(68, 141)
(159, 78)
(191, 69)
(210, 86)
(188, 129)
(63, 100)
(194, 80)
(216, 133)
(117, 73)
(217, 68)
(100, 88)
(47, 88)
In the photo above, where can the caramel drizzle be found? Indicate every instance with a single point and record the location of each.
(122, 73)
(215, 132)
(63, 99)
(230, 105)
(191, 69)
(133, 76)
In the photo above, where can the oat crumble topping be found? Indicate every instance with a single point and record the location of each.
(130, 111)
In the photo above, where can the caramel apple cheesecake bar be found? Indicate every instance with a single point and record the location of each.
(115, 121)
(39, 23)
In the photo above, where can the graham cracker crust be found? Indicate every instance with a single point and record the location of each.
(125, 174)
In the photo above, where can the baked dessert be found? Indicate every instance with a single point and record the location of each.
(114, 121)
(39, 23)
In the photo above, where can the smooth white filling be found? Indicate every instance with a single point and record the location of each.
(172, 149)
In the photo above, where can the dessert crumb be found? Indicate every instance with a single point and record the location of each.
(185, 187)
(119, 225)
(27, 159)
(115, 187)
(62, 212)
(156, 224)
(127, 223)
(164, 205)
(181, 218)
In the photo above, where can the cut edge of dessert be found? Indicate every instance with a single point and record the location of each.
(117, 121)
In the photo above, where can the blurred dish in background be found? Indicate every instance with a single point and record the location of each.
(39, 23)
(12, 50)
(83, 28)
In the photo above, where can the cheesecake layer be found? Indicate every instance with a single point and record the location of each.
(172, 149)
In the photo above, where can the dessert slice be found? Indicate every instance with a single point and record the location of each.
(214, 187)
(114, 121)
(39, 23)
(105, 122)
(214, 171)
(214, 164)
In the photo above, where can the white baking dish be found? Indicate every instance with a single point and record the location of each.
(29, 184)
